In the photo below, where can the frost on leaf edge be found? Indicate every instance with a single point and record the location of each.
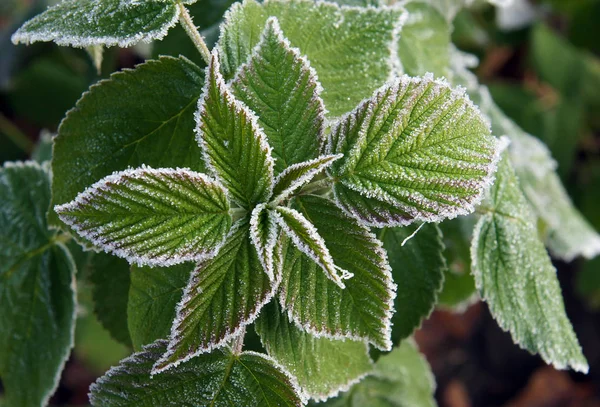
(458, 92)
(21, 36)
(163, 364)
(132, 258)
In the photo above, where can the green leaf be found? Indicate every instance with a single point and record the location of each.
(322, 366)
(153, 297)
(264, 232)
(140, 116)
(235, 147)
(424, 44)
(401, 378)
(459, 289)
(296, 176)
(360, 311)
(224, 294)
(307, 239)
(569, 234)
(279, 85)
(217, 379)
(110, 278)
(155, 217)
(81, 23)
(352, 49)
(416, 150)
(418, 266)
(37, 296)
(515, 276)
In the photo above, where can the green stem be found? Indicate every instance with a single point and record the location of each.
(192, 31)
(316, 186)
(237, 213)
(15, 135)
(238, 343)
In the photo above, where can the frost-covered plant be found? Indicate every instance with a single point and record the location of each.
(292, 188)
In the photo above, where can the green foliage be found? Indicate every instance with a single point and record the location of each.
(36, 288)
(221, 378)
(246, 193)
(515, 276)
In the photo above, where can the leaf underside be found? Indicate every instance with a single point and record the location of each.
(515, 276)
(416, 150)
(217, 379)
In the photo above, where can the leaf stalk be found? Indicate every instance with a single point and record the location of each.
(192, 31)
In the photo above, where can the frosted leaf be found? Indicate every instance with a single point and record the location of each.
(364, 308)
(323, 366)
(37, 298)
(296, 176)
(263, 232)
(217, 379)
(569, 234)
(151, 216)
(223, 295)
(83, 23)
(449, 8)
(307, 239)
(416, 150)
(418, 268)
(278, 84)
(402, 378)
(424, 43)
(153, 296)
(352, 49)
(138, 116)
(515, 276)
(235, 147)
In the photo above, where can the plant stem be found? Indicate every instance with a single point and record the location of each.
(238, 343)
(15, 135)
(237, 213)
(316, 186)
(192, 31)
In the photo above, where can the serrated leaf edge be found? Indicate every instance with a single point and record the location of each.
(326, 263)
(230, 333)
(265, 252)
(390, 309)
(323, 162)
(240, 109)
(132, 258)
(22, 37)
(486, 181)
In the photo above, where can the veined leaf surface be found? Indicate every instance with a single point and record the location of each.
(416, 150)
(352, 49)
(224, 294)
(156, 217)
(235, 147)
(37, 296)
(81, 23)
(515, 276)
(364, 308)
(279, 85)
(217, 379)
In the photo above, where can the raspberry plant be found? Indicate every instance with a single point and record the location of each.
(295, 187)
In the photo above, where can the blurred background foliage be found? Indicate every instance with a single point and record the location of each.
(541, 61)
